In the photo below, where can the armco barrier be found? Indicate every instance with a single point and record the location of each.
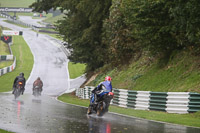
(194, 103)
(6, 57)
(142, 100)
(171, 102)
(158, 101)
(8, 69)
(177, 102)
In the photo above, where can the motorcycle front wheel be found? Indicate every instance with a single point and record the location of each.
(89, 111)
(101, 109)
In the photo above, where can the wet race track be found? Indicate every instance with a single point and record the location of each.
(47, 115)
(28, 114)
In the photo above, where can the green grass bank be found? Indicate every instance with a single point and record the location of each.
(178, 73)
(4, 49)
(16, 3)
(76, 69)
(5, 64)
(24, 63)
(3, 131)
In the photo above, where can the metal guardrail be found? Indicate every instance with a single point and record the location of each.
(6, 57)
(171, 102)
(36, 28)
(8, 69)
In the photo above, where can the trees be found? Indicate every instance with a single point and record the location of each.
(117, 36)
(162, 26)
(98, 34)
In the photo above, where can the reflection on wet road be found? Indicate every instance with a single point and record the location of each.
(46, 115)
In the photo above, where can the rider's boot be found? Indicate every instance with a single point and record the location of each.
(13, 91)
(22, 92)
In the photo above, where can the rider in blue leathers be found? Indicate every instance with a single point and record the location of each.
(102, 88)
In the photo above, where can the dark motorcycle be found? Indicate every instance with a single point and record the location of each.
(102, 105)
(37, 91)
(18, 89)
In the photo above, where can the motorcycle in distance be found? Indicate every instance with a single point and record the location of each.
(18, 89)
(102, 105)
(37, 91)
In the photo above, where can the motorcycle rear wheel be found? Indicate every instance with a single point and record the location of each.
(17, 93)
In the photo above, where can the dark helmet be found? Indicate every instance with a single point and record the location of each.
(21, 74)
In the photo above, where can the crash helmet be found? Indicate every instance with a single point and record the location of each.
(108, 78)
(21, 74)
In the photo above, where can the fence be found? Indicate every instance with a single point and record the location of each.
(11, 19)
(171, 102)
(6, 57)
(8, 69)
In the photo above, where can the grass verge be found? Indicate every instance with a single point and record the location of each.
(179, 73)
(10, 22)
(181, 119)
(76, 69)
(16, 3)
(4, 49)
(5, 63)
(24, 63)
(3, 131)
(53, 20)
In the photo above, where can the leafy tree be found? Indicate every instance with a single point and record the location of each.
(162, 26)
(121, 45)
(186, 15)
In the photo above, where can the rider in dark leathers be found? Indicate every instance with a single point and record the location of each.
(17, 79)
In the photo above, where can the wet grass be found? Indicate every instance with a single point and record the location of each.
(16, 3)
(72, 99)
(4, 49)
(57, 36)
(191, 119)
(10, 22)
(76, 69)
(5, 63)
(180, 73)
(20, 14)
(24, 63)
(3, 131)
(53, 20)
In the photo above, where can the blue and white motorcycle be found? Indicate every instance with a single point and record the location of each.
(101, 105)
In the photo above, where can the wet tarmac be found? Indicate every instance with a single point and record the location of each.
(46, 115)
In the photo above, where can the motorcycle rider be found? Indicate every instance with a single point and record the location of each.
(106, 86)
(38, 82)
(18, 79)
